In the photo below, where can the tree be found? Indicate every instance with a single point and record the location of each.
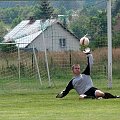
(95, 26)
(116, 8)
(98, 29)
(88, 3)
(80, 26)
(16, 14)
(68, 4)
(62, 10)
(16, 21)
(116, 39)
(3, 30)
(43, 10)
(8, 47)
(99, 22)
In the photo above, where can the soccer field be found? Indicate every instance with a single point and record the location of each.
(42, 105)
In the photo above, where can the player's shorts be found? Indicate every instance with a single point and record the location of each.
(91, 91)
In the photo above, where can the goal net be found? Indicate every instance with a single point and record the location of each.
(19, 68)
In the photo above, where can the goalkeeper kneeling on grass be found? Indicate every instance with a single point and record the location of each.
(82, 82)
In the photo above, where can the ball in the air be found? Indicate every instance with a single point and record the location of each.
(84, 41)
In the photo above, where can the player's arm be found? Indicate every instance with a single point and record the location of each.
(89, 56)
(66, 90)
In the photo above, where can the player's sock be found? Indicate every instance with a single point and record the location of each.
(108, 95)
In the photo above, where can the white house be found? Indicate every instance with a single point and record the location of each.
(49, 34)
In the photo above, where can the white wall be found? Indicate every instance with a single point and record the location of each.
(52, 36)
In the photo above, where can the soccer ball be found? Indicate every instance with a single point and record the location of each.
(84, 41)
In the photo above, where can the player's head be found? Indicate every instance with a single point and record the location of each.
(76, 69)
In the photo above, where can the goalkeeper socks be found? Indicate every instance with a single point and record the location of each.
(108, 95)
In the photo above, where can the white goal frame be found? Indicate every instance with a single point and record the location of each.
(109, 43)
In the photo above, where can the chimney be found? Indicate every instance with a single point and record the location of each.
(32, 20)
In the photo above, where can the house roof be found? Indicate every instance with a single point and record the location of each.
(25, 32)
(24, 41)
(68, 30)
(26, 28)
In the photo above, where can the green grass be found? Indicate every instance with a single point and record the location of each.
(42, 105)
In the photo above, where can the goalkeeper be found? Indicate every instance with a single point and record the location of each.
(82, 82)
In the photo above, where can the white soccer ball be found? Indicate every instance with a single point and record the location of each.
(84, 41)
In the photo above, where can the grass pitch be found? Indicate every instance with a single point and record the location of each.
(42, 105)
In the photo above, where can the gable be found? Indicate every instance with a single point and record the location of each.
(52, 36)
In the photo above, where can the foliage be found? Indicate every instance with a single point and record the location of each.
(88, 3)
(79, 26)
(116, 8)
(116, 40)
(95, 26)
(16, 21)
(98, 27)
(9, 14)
(68, 5)
(3, 30)
(98, 24)
(43, 10)
(62, 10)
(8, 47)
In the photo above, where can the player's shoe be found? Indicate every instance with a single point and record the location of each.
(117, 96)
(99, 98)
(59, 95)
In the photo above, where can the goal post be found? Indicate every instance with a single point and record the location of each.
(36, 62)
(19, 68)
(109, 43)
(45, 50)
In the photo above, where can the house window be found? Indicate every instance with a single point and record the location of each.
(62, 42)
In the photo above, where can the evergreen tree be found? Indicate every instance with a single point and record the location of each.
(43, 10)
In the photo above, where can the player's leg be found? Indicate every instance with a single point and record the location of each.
(99, 93)
(65, 91)
(109, 95)
(89, 94)
(83, 96)
(105, 95)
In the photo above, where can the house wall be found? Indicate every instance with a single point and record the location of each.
(51, 36)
